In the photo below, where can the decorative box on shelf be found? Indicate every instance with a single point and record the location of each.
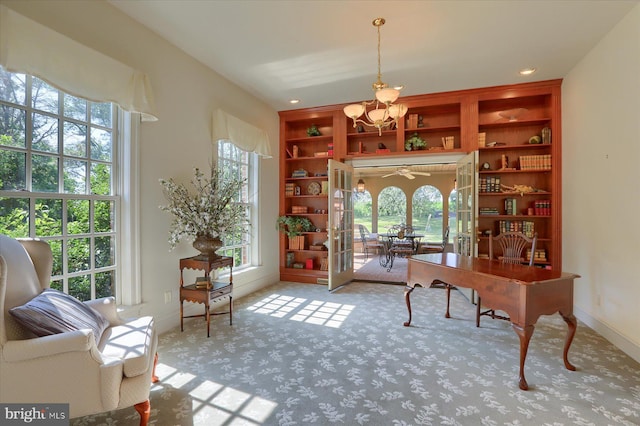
(299, 209)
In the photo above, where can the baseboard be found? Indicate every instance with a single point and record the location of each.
(618, 340)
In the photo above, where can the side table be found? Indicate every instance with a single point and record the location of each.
(211, 292)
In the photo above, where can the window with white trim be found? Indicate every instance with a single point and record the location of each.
(236, 163)
(58, 180)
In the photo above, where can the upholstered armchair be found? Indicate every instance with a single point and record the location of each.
(91, 375)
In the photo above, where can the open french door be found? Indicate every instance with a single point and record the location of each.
(466, 220)
(340, 229)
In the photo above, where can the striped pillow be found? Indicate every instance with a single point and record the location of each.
(53, 312)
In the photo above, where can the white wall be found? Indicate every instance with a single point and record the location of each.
(186, 93)
(601, 184)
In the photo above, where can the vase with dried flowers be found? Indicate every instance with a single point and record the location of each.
(208, 214)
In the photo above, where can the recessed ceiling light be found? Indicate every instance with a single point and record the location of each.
(294, 101)
(527, 71)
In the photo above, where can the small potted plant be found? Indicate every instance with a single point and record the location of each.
(293, 227)
(415, 143)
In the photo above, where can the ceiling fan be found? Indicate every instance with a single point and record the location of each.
(407, 173)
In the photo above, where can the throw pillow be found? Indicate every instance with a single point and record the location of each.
(53, 312)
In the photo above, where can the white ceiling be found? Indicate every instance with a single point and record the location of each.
(325, 52)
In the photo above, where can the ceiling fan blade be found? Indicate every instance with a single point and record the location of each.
(421, 173)
(391, 174)
(409, 176)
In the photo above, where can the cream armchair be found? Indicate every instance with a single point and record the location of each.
(69, 367)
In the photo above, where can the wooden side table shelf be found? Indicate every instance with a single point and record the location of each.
(214, 292)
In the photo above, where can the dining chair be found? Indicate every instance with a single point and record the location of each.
(511, 249)
(426, 247)
(369, 241)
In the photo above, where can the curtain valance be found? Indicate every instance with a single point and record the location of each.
(31, 48)
(242, 134)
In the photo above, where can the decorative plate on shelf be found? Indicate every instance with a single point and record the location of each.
(314, 188)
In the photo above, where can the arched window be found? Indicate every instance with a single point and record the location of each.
(362, 210)
(427, 212)
(392, 208)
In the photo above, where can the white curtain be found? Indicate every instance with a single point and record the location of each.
(242, 134)
(31, 48)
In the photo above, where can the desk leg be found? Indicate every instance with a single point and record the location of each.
(207, 315)
(572, 324)
(525, 336)
(407, 291)
(181, 315)
(230, 310)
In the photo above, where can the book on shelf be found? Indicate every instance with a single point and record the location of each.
(202, 282)
(540, 255)
(510, 206)
(482, 139)
(490, 184)
(535, 162)
(489, 211)
(288, 189)
(542, 207)
(524, 226)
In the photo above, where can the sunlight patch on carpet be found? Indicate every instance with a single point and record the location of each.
(316, 312)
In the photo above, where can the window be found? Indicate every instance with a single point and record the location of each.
(57, 180)
(392, 208)
(238, 164)
(427, 212)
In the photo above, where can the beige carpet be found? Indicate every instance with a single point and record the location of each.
(369, 270)
(300, 355)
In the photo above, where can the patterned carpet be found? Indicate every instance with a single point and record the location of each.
(299, 355)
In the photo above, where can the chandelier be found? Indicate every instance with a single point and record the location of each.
(385, 113)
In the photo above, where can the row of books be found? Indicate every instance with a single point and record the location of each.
(535, 162)
(490, 184)
(289, 189)
(524, 226)
(540, 255)
(489, 211)
(510, 206)
(542, 207)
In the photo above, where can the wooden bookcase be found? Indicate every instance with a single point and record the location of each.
(303, 170)
(508, 115)
(508, 120)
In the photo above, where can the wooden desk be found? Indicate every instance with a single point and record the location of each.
(523, 292)
(212, 293)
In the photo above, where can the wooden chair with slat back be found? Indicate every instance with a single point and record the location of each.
(512, 247)
(368, 241)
